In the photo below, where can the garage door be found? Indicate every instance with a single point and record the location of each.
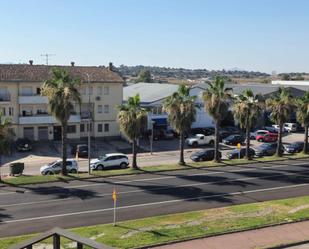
(29, 133)
(43, 133)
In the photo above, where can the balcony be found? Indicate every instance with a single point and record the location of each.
(5, 97)
(45, 119)
(33, 99)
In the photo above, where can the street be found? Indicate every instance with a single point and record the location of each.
(37, 208)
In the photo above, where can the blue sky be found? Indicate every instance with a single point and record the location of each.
(263, 35)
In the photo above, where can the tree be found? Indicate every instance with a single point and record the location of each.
(6, 135)
(132, 118)
(302, 115)
(144, 76)
(181, 110)
(62, 93)
(247, 108)
(281, 106)
(216, 99)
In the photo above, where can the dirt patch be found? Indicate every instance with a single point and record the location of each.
(299, 208)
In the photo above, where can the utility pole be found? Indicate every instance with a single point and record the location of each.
(89, 124)
(47, 57)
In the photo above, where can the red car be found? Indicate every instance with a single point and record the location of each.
(268, 137)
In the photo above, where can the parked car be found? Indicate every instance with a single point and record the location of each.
(294, 147)
(290, 127)
(56, 166)
(80, 149)
(224, 134)
(268, 137)
(277, 128)
(257, 133)
(200, 139)
(236, 153)
(265, 149)
(23, 144)
(270, 129)
(162, 134)
(108, 161)
(232, 129)
(234, 139)
(207, 131)
(204, 155)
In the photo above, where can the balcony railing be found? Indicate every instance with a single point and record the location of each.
(5, 97)
(45, 119)
(32, 99)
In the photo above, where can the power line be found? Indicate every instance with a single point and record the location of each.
(47, 57)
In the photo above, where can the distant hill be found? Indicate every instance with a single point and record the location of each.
(167, 74)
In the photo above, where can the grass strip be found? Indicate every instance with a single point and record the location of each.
(35, 179)
(183, 226)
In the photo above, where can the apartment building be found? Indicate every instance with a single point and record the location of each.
(21, 101)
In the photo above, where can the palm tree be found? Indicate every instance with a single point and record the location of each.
(6, 135)
(62, 92)
(131, 118)
(247, 108)
(281, 106)
(302, 115)
(216, 100)
(180, 107)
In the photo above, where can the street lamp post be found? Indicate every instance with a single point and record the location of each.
(151, 137)
(89, 125)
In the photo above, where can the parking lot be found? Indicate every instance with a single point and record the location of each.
(164, 152)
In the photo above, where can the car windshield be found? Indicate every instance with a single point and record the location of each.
(52, 163)
(102, 157)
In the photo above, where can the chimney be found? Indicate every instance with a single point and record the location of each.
(110, 66)
(31, 62)
(72, 63)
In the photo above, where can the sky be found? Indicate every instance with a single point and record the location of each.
(258, 35)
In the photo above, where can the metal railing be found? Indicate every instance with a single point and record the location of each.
(56, 234)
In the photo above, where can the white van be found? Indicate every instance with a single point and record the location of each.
(56, 166)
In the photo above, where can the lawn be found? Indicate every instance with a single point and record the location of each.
(33, 179)
(176, 227)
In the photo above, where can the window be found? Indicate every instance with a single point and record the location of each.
(11, 111)
(88, 127)
(3, 111)
(90, 89)
(99, 90)
(106, 90)
(100, 127)
(72, 129)
(26, 91)
(38, 91)
(106, 108)
(106, 127)
(82, 128)
(100, 109)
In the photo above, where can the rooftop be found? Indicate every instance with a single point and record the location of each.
(40, 73)
(149, 92)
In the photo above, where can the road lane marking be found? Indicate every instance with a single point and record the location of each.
(153, 203)
(156, 188)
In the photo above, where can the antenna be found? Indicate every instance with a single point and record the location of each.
(47, 57)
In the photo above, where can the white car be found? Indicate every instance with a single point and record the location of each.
(200, 139)
(112, 160)
(284, 128)
(56, 166)
(290, 127)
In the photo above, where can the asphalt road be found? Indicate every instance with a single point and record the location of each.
(37, 208)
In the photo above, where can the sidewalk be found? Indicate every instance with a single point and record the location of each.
(259, 238)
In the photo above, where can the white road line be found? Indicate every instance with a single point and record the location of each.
(153, 203)
(155, 188)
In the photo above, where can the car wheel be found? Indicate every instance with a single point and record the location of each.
(49, 173)
(123, 165)
(100, 167)
(73, 171)
(211, 142)
(195, 144)
(260, 140)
